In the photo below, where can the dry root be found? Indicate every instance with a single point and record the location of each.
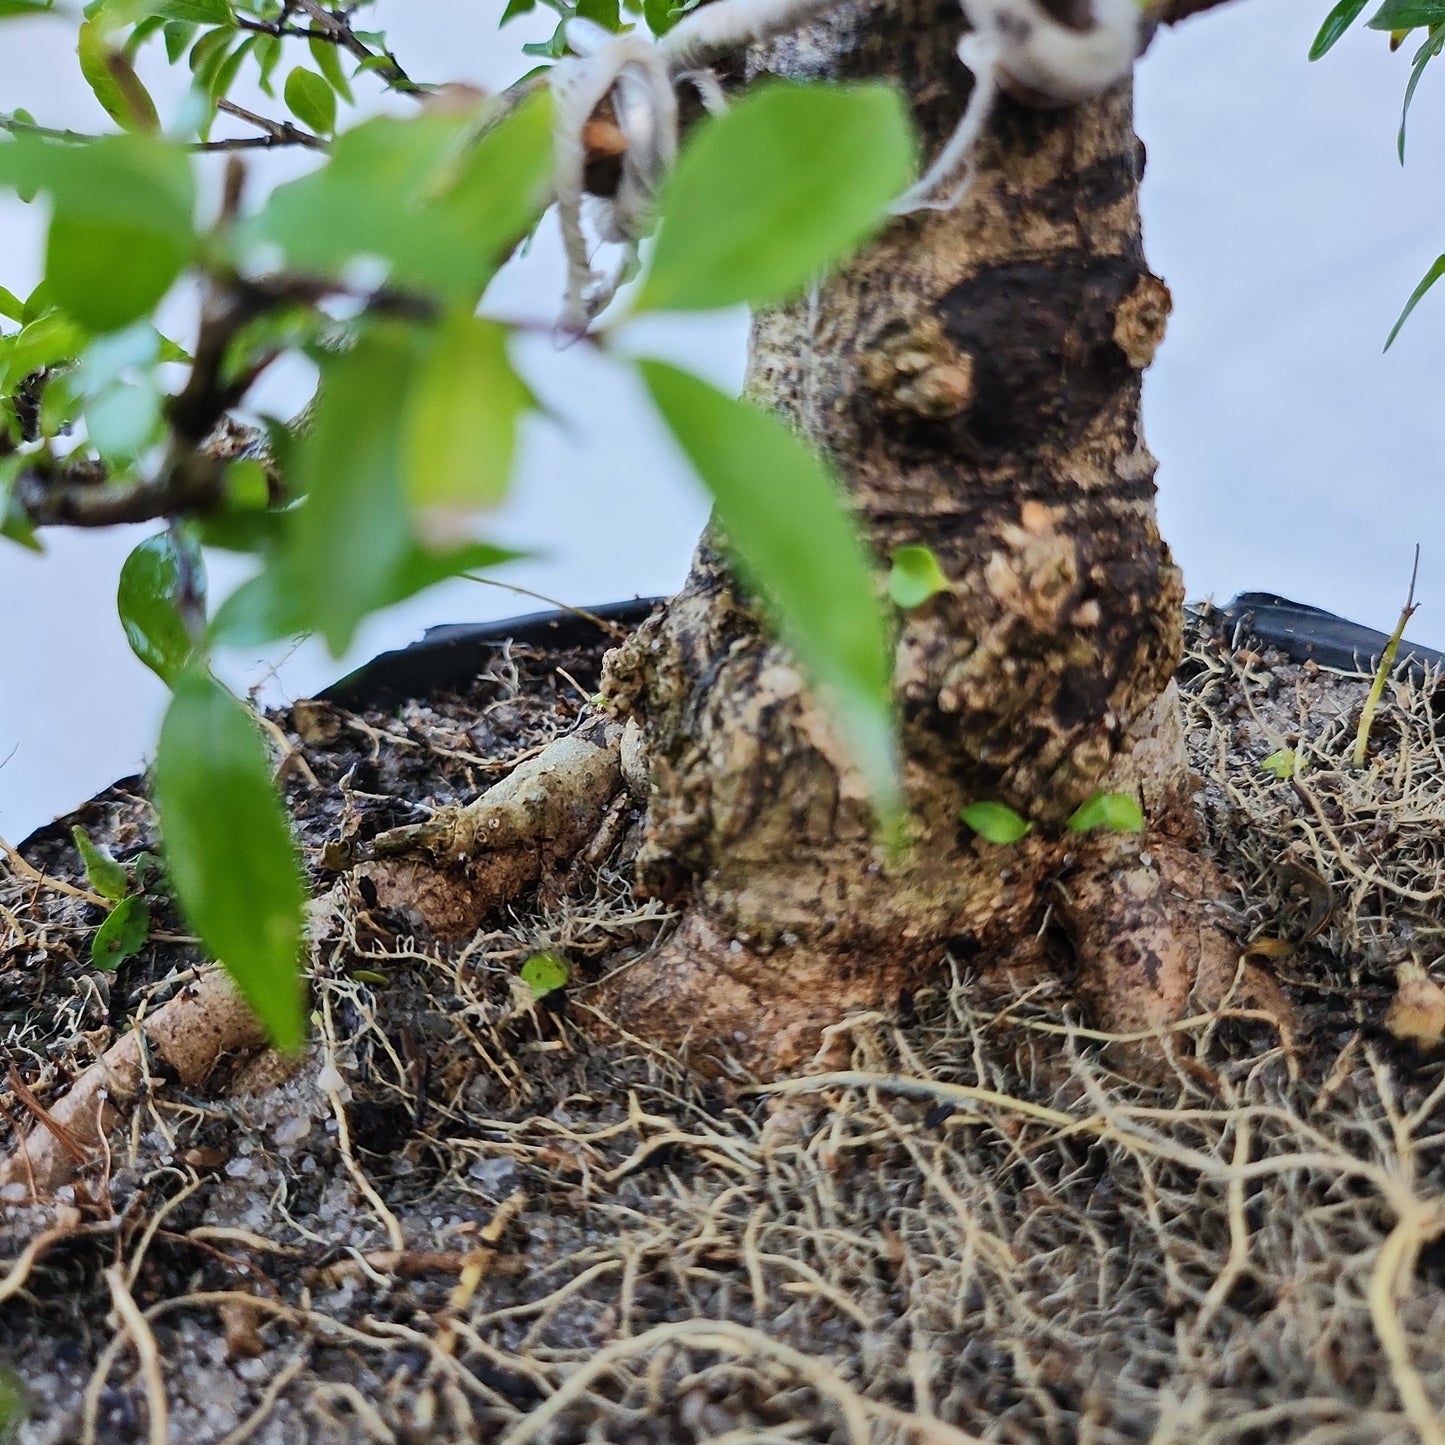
(190, 1035)
(466, 862)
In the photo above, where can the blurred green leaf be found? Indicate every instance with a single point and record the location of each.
(12, 308)
(461, 420)
(771, 194)
(517, 7)
(1336, 23)
(121, 231)
(310, 100)
(14, 1396)
(229, 851)
(1119, 812)
(996, 823)
(915, 577)
(102, 872)
(122, 935)
(178, 35)
(124, 420)
(47, 341)
(545, 973)
(10, 8)
(196, 12)
(346, 541)
(161, 581)
(1436, 271)
(441, 213)
(789, 532)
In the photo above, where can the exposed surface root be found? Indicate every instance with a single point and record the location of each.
(188, 1036)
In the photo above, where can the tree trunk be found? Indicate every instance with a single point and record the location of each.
(974, 377)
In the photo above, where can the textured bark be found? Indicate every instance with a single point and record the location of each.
(974, 377)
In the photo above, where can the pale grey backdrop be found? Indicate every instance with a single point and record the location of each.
(1293, 455)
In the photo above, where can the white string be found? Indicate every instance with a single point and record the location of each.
(957, 154)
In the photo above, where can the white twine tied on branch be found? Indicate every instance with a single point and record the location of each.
(1054, 52)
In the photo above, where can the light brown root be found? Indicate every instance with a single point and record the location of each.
(191, 1034)
(468, 861)
(1146, 927)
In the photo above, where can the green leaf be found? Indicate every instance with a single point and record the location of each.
(1283, 763)
(1436, 271)
(443, 214)
(328, 61)
(44, 342)
(516, 8)
(793, 541)
(1336, 23)
(229, 851)
(11, 8)
(122, 935)
(114, 82)
(121, 231)
(606, 13)
(178, 35)
(268, 57)
(1426, 53)
(12, 308)
(1119, 812)
(310, 100)
(1407, 15)
(461, 420)
(915, 577)
(545, 973)
(102, 872)
(774, 192)
(162, 584)
(996, 822)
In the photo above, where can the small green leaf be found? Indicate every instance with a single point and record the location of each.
(11, 8)
(1336, 23)
(516, 8)
(102, 872)
(114, 82)
(328, 61)
(995, 822)
(178, 35)
(1426, 53)
(1119, 812)
(915, 577)
(229, 851)
(789, 533)
(774, 192)
(1283, 763)
(545, 973)
(311, 100)
(12, 308)
(1436, 271)
(461, 420)
(122, 935)
(162, 584)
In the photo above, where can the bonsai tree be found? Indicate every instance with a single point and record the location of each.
(914, 701)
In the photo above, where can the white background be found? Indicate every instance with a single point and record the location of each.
(1294, 456)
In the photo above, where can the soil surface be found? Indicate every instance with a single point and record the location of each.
(463, 1215)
